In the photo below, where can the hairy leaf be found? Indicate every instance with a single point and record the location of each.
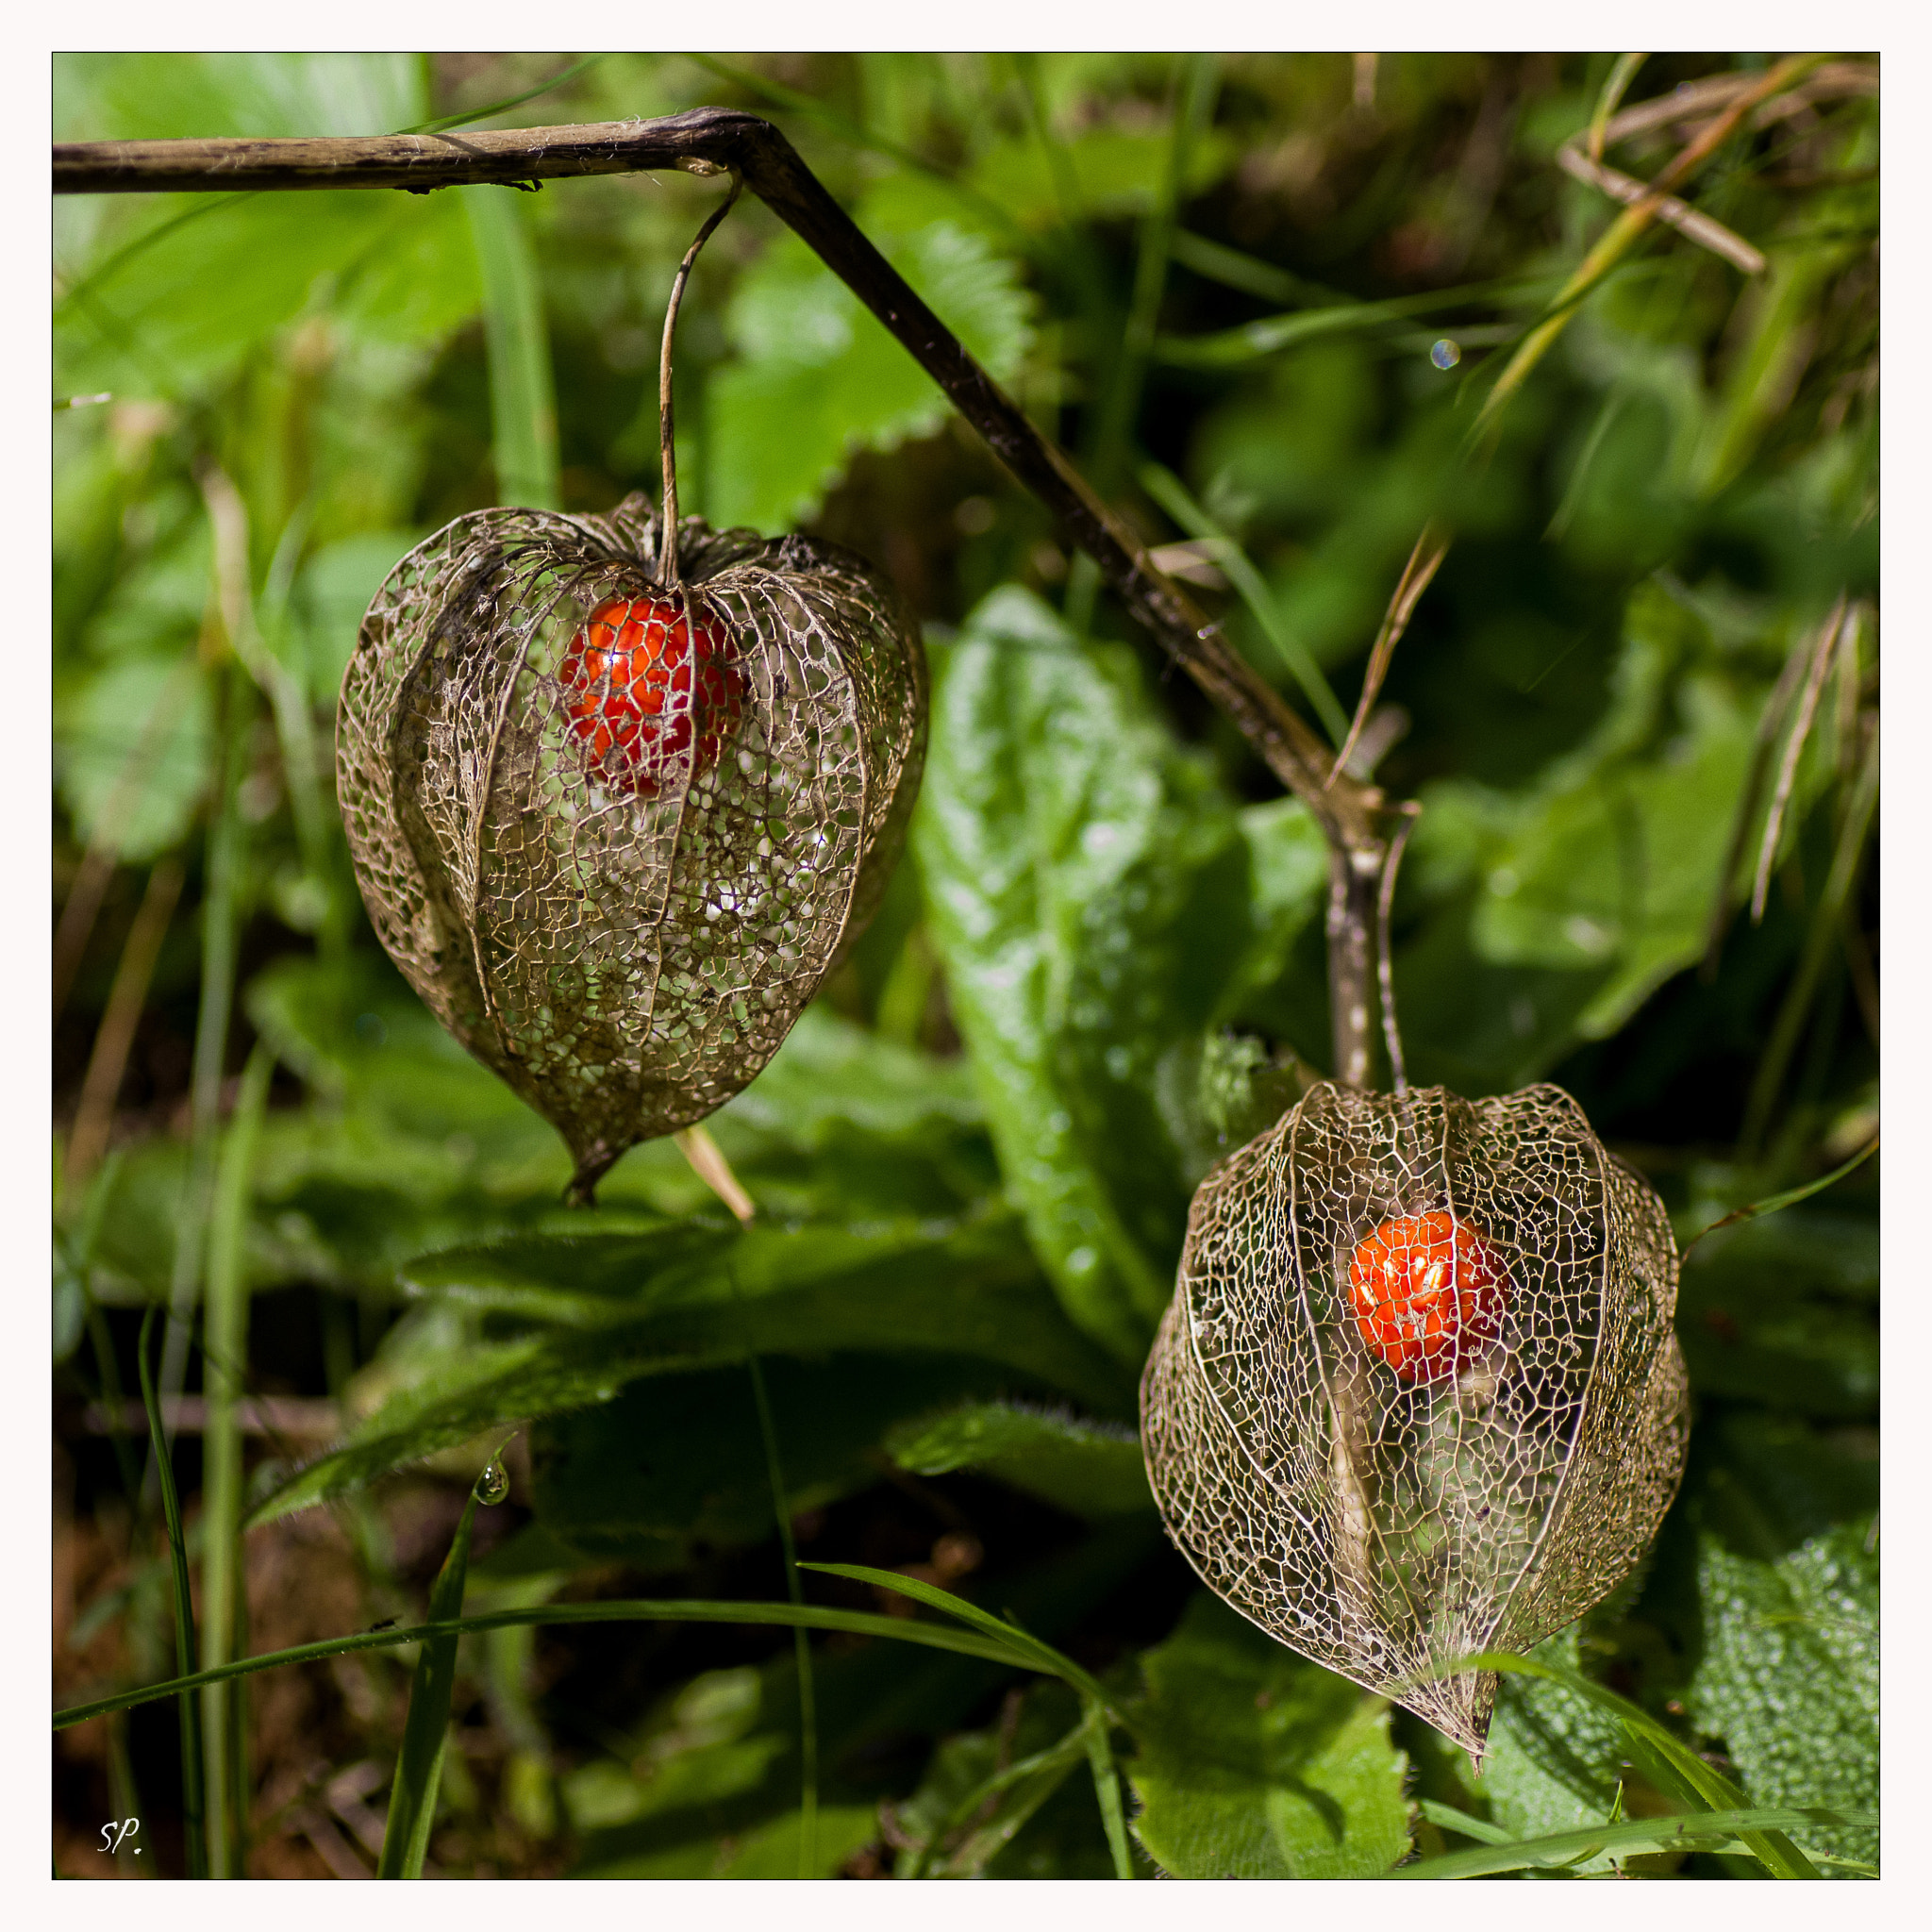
(1788, 1676)
(1259, 1764)
(1089, 1468)
(599, 1311)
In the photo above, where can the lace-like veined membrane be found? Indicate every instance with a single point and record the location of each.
(1418, 1395)
(616, 833)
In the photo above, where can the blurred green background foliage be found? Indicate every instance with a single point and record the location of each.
(1260, 299)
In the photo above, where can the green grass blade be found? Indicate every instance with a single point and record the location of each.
(1254, 342)
(1042, 1657)
(224, 1349)
(472, 115)
(227, 848)
(1688, 1830)
(1703, 1784)
(808, 1712)
(1171, 493)
(1196, 84)
(617, 1610)
(193, 1763)
(1790, 1198)
(1107, 1787)
(1450, 1819)
(425, 1730)
(1050, 1765)
(1233, 269)
(523, 400)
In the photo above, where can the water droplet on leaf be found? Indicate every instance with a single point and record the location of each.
(492, 1485)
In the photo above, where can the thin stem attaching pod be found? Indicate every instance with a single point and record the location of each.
(772, 171)
(1385, 963)
(708, 1163)
(666, 436)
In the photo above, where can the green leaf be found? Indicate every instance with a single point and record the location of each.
(1110, 171)
(134, 755)
(1618, 860)
(1087, 1469)
(983, 1788)
(164, 291)
(208, 292)
(819, 378)
(676, 1459)
(425, 1729)
(153, 96)
(1088, 891)
(1259, 1764)
(602, 1310)
(1670, 1763)
(831, 1075)
(1788, 1678)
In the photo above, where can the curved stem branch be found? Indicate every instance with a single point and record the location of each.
(709, 140)
(666, 438)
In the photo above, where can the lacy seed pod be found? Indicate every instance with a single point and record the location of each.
(1416, 1394)
(616, 823)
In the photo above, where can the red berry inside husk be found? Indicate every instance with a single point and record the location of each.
(1428, 1294)
(649, 687)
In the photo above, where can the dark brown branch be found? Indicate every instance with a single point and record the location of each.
(709, 140)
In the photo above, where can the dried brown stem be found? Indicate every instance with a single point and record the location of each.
(708, 1163)
(1827, 642)
(1425, 560)
(1688, 220)
(726, 140)
(1769, 719)
(666, 427)
(107, 1065)
(1385, 962)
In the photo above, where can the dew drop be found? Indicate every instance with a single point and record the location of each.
(492, 1485)
(1445, 353)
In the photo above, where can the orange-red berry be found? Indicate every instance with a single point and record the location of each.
(1429, 1294)
(648, 689)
